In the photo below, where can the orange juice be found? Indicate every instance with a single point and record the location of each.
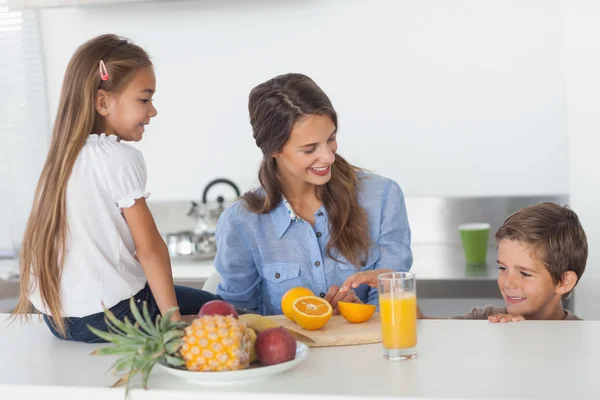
(398, 313)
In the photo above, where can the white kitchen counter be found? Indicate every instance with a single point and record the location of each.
(457, 360)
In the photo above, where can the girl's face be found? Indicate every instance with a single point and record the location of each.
(309, 153)
(128, 111)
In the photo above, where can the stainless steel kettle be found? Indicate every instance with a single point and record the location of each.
(211, 211)
(200, 243)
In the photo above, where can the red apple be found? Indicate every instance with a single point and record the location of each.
(217, 307)
(275, 346)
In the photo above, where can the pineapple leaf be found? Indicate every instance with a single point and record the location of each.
(132, 373)
(175, 361)
(123, 380)
(145, 376)
(157, 324)
(108, 336)
(167, 337)
(125, 329)
(133, 331)
(146, 369)
(112, 328)
(114, 320)
(173, 346)
(148, 319)
(139, 319)
(122, 349)
(115, 338)
(147, 357)
(121, 363)
(166, 319)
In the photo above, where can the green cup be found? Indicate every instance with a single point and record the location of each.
(474, 238)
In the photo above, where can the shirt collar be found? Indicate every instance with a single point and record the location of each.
(281, 218)
(293, 216)
(283, 215)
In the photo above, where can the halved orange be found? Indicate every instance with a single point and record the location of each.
(312, 312)
(288, 299)
(356, 312)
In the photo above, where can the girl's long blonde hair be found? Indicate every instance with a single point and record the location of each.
(45, 238)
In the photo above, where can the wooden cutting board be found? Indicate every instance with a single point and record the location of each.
(337, 331)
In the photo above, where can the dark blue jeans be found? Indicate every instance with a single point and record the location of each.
(189, 299)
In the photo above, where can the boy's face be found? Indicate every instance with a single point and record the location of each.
(525, 283)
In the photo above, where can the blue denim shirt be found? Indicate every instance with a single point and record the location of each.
(261, 256)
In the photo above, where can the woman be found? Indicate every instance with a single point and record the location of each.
(316, 219)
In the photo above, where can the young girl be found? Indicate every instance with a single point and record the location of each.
(91, 240)
(316, 219)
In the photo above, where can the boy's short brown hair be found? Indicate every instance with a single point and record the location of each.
(555, 235)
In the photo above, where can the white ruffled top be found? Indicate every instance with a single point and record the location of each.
(99, 262)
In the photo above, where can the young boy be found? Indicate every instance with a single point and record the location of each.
(542, 252)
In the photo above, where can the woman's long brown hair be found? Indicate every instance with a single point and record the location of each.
(275, 106)
(46, 233)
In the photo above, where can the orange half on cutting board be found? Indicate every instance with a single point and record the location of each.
(311, 312)
(356, 312)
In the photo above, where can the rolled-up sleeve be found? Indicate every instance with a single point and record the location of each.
(394, 238)
(240, 281)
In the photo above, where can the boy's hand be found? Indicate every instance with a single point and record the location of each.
(368, 277)
(505, 318)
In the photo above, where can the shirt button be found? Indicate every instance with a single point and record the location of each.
(320, 214)
(363, 263)
(319, 234)
(317, 263)
(322, 295)
(277, 275)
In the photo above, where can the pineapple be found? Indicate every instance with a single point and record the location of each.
(209, 343)
(216, 343)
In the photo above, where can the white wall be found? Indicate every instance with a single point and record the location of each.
(582, 56)
(447, 97)
(24, 127)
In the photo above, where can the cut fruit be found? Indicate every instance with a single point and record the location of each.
(356, 312)
(311, 312)
(288, 299)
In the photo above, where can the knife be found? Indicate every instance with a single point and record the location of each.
(298, 336)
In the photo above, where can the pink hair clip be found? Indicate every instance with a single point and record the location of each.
(103, 71)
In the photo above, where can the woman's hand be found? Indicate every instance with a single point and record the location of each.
(368, 277)
(334, 295)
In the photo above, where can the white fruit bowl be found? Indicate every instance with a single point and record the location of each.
(254, 372)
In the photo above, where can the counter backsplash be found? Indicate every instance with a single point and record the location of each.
(433, 220)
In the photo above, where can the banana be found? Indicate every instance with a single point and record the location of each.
(253, 356)
(258, 322)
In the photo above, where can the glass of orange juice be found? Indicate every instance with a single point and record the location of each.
(398, 314)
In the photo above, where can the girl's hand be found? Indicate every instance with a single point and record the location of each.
(368, 277)
(188, 318)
